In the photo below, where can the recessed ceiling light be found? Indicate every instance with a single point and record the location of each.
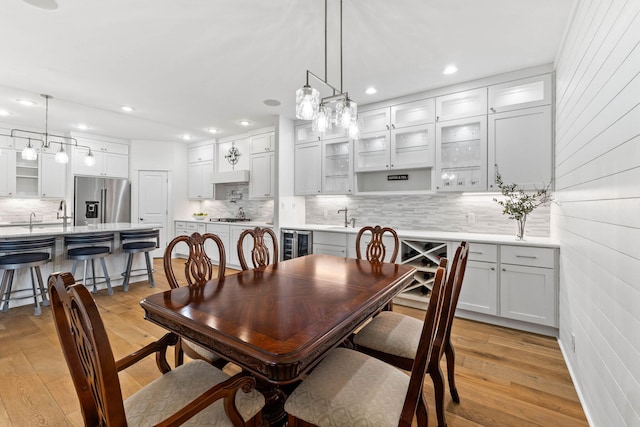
(272, 102)
(4, 113)
(370, 90)
(186, 137)
(127, 108)
(82, 126)
(43, 4)
(213, 130)
(245, 122)
(26, 102)
(450, 69)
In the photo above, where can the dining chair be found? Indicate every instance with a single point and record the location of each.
(198, 270)
(260, 251)
(394, 338)
(376, 249)
(350, 388)
(196, 393)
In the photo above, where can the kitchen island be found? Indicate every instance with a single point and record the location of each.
(116, 262)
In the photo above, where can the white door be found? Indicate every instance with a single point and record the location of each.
(153, 204)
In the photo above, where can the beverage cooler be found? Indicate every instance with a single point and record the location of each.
(295, 243)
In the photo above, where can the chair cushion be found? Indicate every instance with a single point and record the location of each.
(391, 333)
(139, 245)
(204, 353)
(350, 389)
(23, 258)
(174, 390)
(88, 250)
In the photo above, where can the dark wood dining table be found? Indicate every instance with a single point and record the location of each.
(280, 321)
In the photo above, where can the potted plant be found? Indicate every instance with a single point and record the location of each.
(518, 203)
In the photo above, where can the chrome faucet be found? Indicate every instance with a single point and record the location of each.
(33, 215)
(353, 222)
(346, 212)
(64, 217)
(241, 214)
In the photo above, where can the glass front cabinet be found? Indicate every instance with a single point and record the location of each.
(461, 153)
(337, 167)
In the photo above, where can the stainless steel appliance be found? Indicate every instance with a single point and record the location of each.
(101, 200)
(296, 243)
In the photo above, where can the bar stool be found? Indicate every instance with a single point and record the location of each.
(87, 247)
(23, 254)
(138, 241)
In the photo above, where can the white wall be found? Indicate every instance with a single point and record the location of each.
(598, 217)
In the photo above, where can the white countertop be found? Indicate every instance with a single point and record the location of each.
(238, 223)
(40, 230)
(441, 235)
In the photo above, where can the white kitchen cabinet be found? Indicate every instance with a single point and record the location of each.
(528, 287)
(199, 180)
(330, 243)
(107, 163)
(337, 166)
(26, 176)
(523, 93)
(223, 232)
(461, 154)
(262, 175)
(461, 104)
(53, 176)
(479, 292)
(398, 116)
(7, 173)
(520, 147)
(264, 142)
(303, 133)
(200, 153)
(308, 169)
(182, 228)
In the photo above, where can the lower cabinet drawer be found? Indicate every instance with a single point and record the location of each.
(319, 248)
(527, 255)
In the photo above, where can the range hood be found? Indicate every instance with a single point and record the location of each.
(230, 177)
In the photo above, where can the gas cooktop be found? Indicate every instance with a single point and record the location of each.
(229, 219)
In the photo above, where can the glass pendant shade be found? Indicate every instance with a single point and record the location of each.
(29, 153)
(307, 102)
(354, 129)
(349, 111)
(89, 160)
(61, 156)
(322, 122)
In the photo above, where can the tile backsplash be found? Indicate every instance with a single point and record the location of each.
(19, 210)
(256, 210)
(448, 212)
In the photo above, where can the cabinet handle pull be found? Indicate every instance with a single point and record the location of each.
(387, 127)
(526, 256)
(393, 126)
(493, 268)
(493, 110)
(504, 269)
(476, 252)
(437, 118)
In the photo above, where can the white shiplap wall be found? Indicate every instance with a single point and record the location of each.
(597, 219)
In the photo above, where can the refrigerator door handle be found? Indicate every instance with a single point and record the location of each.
(103, 202)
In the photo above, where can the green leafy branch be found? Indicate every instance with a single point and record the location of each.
(518, 204)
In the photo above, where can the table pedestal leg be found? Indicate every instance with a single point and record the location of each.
(273, 412)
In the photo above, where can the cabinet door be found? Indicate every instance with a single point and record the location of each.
(461, 153)
(200, 186)
(200, 153)
(116, 165)
(319, 248)
(528, 294)
(524, 93)
(462, 104)
(262, 143)
(307, 165)
(53, 177)
(261, 171)
(223, 232)
(375, 120)
(479, 290)
(304, 133)
(337, 167)
(372, 152)
(520, 147)
(7, 173)
(413, 113)
(413, 147)
(115, 148)
(79, 167)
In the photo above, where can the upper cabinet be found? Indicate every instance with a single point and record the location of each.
(111, 159)
(337, 167)
(200, 171)
(308, 169)
(461, 104)
(264, 142)
(7, 173)
(523, 93)
(262, 166)
(200, 153)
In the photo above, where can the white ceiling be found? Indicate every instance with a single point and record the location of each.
(189, 65)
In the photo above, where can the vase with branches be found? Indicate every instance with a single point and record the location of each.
(518, 203)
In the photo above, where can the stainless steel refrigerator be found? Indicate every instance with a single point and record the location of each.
(101, 200)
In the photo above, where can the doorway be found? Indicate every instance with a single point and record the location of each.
(153, 204)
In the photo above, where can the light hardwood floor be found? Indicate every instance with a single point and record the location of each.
(504, 377)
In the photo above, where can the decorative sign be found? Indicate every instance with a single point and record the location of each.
(233, 155)
(404, 177)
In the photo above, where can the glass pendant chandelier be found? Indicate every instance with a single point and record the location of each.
(61, 156)
(309, 105)
(29, 153)
(89, 159)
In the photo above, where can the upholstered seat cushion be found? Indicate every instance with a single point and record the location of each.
(88, 250)
(391, 333)
(204, 353)
(350, 389)
(174, 390)
(23, 258)
(138, 245)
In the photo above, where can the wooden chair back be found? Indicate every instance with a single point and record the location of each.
(260, 252)
(198, 268)
(376, 250)
(432, 332)
(87, 350)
